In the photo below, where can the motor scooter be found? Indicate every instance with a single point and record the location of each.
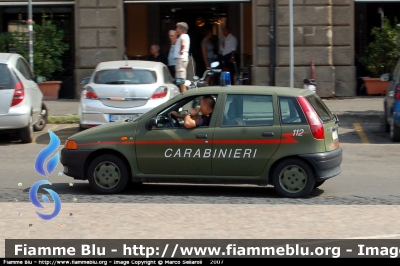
(200, 82)
(310, 84)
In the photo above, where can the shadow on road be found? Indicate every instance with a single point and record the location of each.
(63, 134)
(152, 190)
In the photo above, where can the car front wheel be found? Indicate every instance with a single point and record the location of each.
(394, 131)
(293, 178)
(108, 174)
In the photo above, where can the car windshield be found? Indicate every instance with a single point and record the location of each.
(125, 76)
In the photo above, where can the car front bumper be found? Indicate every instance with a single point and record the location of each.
(74, 162)
(327, 164)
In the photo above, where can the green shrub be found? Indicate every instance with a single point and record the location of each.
(48, 47)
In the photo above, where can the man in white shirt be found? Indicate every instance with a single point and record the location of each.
(171, 57)
(229, 55)
(181, 52)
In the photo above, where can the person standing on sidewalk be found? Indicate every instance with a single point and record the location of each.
(171, 57)
(229, 56)
(155, 54)
(181, 52)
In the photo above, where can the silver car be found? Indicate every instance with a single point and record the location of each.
(21, 106)
(121, 90)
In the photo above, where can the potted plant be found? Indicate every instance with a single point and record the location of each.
(382, 56)
(48, 47)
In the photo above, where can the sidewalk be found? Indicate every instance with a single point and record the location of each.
(358, 109)
(200, 221)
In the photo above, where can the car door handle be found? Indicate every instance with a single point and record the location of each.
(268, 134)
(201, 136)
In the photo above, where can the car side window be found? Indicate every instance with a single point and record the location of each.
(290, 111)
(248, 110)
(182, 107)
(25, 70)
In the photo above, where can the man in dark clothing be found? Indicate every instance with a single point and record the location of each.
(156, 56)
(193, 119)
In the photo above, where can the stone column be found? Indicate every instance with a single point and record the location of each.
(261, 23)
(323, 32)
(99, 31)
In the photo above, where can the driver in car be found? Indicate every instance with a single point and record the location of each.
(192, 119)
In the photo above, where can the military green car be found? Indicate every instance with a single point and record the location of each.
(259, 135)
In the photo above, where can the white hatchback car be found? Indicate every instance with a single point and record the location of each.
(21, 106)
(121, 90)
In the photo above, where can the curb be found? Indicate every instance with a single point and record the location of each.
(360, 118)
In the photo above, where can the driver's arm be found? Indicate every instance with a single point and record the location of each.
(190, 120)
(178, 115)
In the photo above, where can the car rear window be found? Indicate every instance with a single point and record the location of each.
(7, 81)
(125, 76)
(320, 108)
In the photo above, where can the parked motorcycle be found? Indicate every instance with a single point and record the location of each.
(200, 82)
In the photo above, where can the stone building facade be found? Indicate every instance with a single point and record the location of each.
(323, 33)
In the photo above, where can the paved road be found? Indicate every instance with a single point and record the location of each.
(367, 176)
(361, 203)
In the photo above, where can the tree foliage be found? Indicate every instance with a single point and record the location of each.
(384, 52)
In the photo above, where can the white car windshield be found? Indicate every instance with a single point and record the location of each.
(125, 76)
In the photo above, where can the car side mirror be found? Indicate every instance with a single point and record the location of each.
(40, 79)
(85, 81)
(385, 77)
(152, 122)
(179, 81)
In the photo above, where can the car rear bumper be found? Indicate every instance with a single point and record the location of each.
(74, 162)
(14, 119)
(327, 164)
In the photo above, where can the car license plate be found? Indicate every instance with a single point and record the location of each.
(334, 134)
(114, 118)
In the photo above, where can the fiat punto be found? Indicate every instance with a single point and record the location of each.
(259, 135)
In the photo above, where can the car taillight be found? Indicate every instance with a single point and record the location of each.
(160, 92)
(317, 129)
(90, 94)
(19, 94)
(397, 95)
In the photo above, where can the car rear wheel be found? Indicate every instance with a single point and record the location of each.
(293, 178)
(26, 133)
(108, 174)
(318, 183)
(394, 131)
(41, 123)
